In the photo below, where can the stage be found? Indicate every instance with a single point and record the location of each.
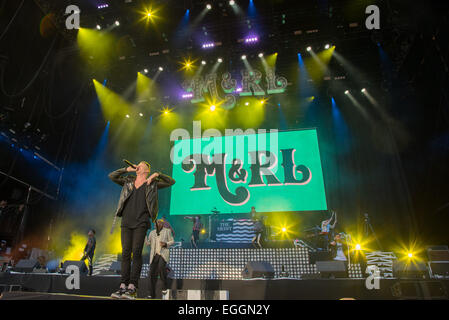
(277, 289)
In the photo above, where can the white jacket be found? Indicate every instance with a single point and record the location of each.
(164, 236)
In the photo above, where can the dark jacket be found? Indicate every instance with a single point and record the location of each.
(89, 249)
(151, 195)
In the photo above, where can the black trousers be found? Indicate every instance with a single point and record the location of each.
(89, 258)
(132, 243)
(158, 267)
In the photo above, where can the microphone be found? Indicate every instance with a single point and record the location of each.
(129, 163)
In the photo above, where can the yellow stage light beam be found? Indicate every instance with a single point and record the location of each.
(96, 47)
(145, 87)
(112, 104)
(325, 56)
(271, 60)
(316, 64)
(251, 116)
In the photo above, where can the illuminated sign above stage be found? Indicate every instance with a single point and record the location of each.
(274, 172)
(250, 85)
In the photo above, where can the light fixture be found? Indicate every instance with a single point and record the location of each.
(260, 55)
(231, 2)
(141, 114)
(358, 247)
(327, 46)
(309, 49)
(251, 39)
(161, 69)
(203, 63)
(208, 6)
(212, 108)
(117, 23)
(220, 60)
(127, 115)
(243, 57)
(145, 70)
(98, 27)
(187, 95)
(208, 45)
(347, 92)
(363, 90)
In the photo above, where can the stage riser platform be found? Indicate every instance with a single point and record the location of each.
(282, 289)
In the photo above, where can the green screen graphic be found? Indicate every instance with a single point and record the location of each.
(274, 172)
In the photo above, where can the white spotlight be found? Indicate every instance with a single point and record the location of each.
(208, 6)
(327, 46)
(203, 63)
(117, 23)
(161, 69)
(260, 55)
(347, 92)
(309, 48)
(141, 114)
(232, 2)
(220, 60)
(145, 70)
(363, 90)
(243, 57)
(98, 27)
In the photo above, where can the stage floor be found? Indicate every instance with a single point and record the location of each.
(100, 287)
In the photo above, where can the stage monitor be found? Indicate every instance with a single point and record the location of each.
(272, 171)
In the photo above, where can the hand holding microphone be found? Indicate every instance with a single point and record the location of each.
(132, 167)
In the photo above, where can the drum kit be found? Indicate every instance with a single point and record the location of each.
(313, 238)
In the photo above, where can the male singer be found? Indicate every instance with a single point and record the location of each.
(138, 203)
